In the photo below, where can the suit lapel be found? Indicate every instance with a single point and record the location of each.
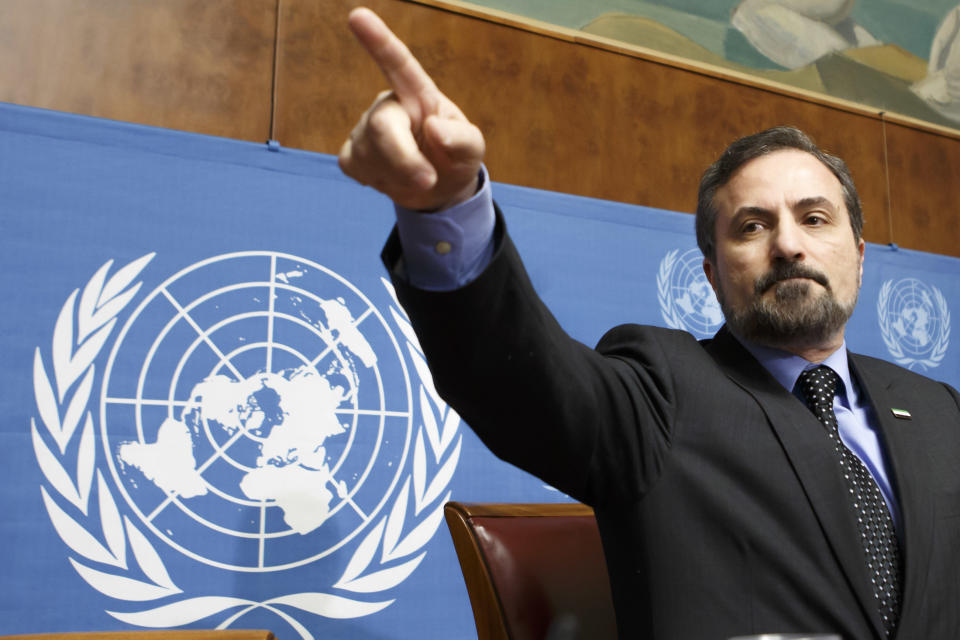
(811, 456)
(907, 463)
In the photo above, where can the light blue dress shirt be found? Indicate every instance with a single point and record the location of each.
(856, 420)
(450, 248)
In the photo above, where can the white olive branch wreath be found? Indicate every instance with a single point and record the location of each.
(73, 353)
(667, 310)
(61, 414)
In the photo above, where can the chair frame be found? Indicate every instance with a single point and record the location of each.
(488, 610)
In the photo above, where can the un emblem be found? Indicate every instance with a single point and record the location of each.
(256, 413)
(915, 322)
(686, 298)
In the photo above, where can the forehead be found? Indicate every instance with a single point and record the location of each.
(786, 176)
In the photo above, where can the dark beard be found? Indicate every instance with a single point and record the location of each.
(794, 315)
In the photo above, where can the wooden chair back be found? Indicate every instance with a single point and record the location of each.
(533, 571)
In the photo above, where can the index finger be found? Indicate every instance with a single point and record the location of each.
(402, 70)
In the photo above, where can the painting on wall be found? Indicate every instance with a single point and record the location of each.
(899, 56)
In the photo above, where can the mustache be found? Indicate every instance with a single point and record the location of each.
(785, 271)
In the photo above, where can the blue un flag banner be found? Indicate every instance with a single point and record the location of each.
(216, 413)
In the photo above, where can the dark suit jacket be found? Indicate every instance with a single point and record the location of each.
(720, 505)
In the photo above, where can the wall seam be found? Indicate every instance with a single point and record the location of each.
(886, 179)
(274, 77)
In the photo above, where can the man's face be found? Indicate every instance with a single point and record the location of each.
(787, 268)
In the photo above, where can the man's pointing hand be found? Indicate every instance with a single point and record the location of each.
(413, 144)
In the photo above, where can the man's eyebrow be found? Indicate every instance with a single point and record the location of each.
(751, 210)
(814, 201)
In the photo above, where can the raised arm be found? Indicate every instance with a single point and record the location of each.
(535, 396)
(413, 144)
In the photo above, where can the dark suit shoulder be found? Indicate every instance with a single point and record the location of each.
(632, 336)
(891, 373)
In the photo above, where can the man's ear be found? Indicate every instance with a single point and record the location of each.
(708, 271)
(861, 245)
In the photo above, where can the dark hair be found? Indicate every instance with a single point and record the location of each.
(754, 146)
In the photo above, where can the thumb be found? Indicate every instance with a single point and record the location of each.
(453, 142)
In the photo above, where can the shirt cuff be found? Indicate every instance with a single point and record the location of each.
(448, 249)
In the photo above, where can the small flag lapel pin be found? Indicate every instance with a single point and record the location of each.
(902, 414)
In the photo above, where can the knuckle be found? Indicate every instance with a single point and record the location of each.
(346, 159)
(343, 160)
(380, 122)
(357, 132)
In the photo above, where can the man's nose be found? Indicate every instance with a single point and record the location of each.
(787, 240)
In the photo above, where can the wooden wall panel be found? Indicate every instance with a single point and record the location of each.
(197, 65)
(557, 115)
(924, 189)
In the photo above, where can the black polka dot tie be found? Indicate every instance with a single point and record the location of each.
(818, 386)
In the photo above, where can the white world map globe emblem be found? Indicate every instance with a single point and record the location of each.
(687, 300)
(255, 411)
(915, 322)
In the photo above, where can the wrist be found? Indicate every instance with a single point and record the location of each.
(468, 191)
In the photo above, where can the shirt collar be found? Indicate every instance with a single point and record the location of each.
(786, 367)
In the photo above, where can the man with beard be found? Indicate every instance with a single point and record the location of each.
(765, 480)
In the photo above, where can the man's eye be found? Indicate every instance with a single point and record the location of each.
(751, 227)
(814, 220)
